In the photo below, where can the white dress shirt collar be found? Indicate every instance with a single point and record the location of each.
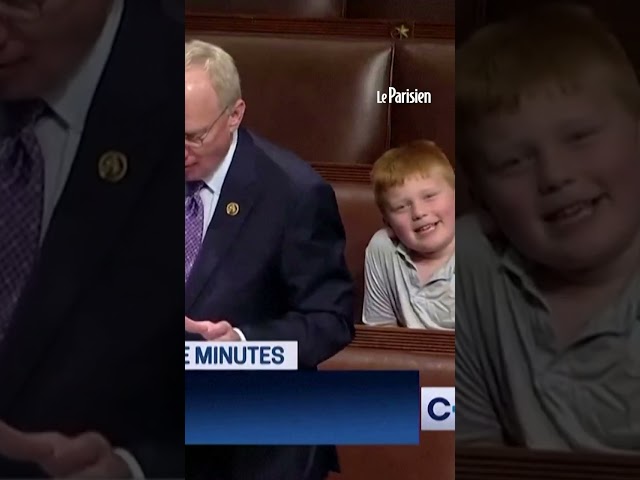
(71, 102)
(216, 179)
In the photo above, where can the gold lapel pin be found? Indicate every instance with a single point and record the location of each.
(112, 166)
(233, 209)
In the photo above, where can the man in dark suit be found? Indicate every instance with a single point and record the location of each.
(89, 266)
(264, 255)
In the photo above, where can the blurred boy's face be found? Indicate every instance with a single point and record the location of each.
(421, 214)
(561, 177)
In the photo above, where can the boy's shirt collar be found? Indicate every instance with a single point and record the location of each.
(446, 272)
(608, 321)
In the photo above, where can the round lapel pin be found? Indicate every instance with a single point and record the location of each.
(112, 166)
(232, 209)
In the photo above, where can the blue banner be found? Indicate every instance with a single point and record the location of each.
(302, 408)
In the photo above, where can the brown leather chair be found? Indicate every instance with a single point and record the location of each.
(433, 355)
(279, 8)
(432, 11)
(429, 66)
(317, 96)
(361, 219)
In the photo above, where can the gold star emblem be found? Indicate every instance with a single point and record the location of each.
(401, 31)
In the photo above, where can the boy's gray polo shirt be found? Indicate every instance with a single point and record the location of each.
(513, 386)
(394, 294)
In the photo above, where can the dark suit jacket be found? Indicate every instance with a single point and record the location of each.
(276, 270)
(95, 342)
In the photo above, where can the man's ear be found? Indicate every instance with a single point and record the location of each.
(236, 114)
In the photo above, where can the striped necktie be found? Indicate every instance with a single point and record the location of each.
(193, 225)
(21, 203)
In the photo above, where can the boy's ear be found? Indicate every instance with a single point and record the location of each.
(390, 232)
(487, 224)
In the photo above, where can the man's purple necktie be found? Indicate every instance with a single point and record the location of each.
(193, 225)
(21, 202)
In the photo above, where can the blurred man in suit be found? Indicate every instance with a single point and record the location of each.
(264, 255)
(89, 286)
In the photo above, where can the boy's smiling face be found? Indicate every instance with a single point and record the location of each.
(420, 213)
(561, 175)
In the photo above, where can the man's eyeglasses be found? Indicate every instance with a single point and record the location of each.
(21, 9)
(197, 140)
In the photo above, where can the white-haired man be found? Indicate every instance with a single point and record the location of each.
(271, 268)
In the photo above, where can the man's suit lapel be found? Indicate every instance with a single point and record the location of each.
(92, 212)
(240, 188)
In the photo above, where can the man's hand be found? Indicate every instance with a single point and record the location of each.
(218, 331)
(88, 455)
